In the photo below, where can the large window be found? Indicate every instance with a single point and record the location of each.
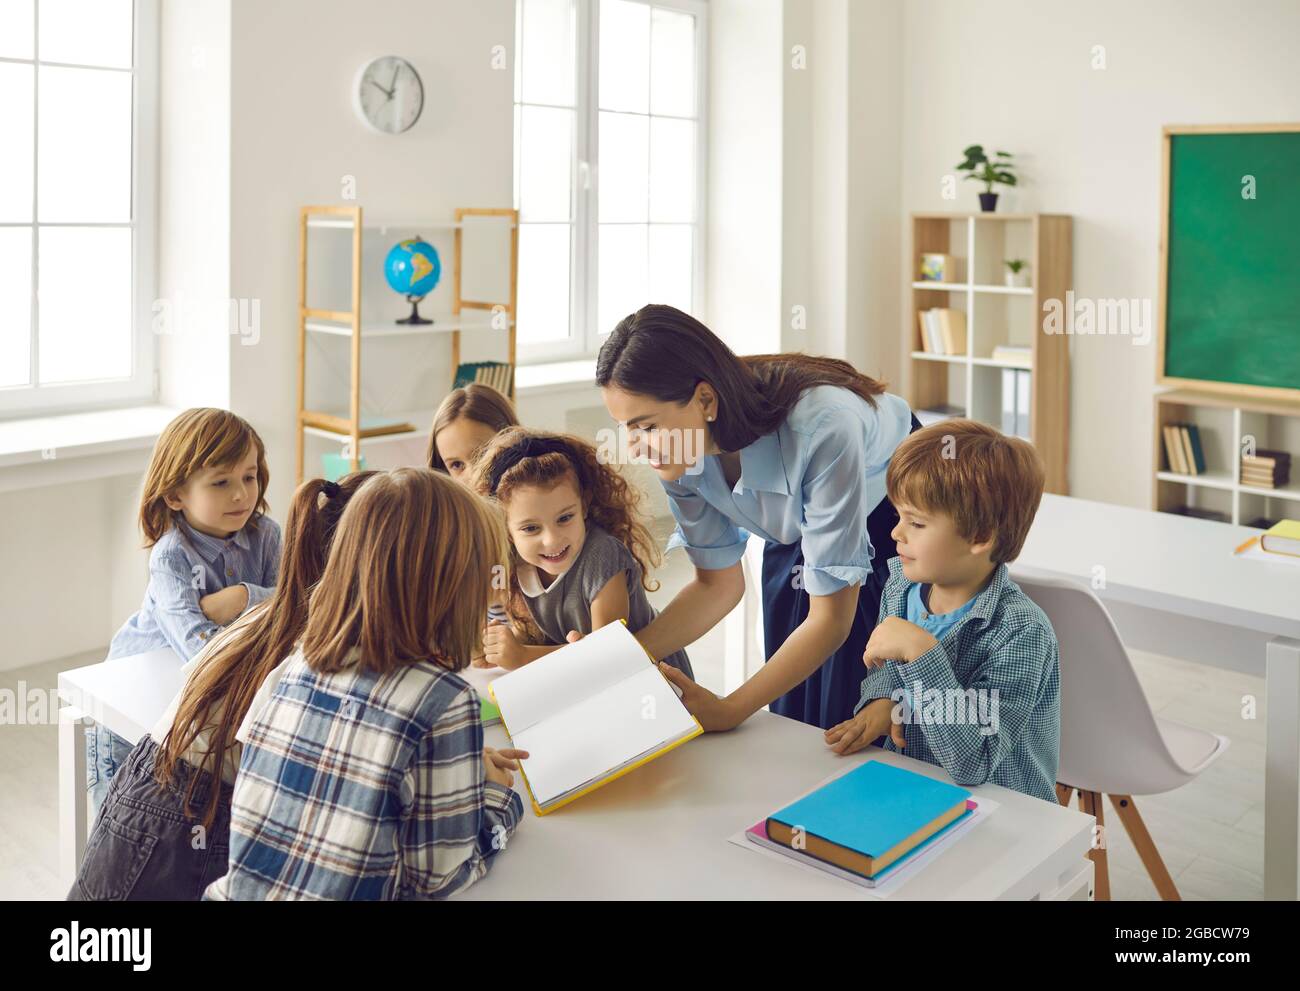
(609, 146)
(76, 189)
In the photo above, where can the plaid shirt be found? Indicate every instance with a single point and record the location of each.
(1004, 655)
(355, 785)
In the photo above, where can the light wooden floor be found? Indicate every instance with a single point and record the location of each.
(1210, 833)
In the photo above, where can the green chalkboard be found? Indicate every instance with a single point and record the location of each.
(1232, 311)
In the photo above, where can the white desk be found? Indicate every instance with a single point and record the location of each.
(660, 832)
(1174, 587)
(127, 696)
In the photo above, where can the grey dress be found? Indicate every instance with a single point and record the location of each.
(566, 604)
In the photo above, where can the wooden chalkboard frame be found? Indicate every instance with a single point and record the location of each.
(1204, 385)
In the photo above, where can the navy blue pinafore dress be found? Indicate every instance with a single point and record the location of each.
(828, 695)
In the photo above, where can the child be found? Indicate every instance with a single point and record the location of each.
(215, 552)
(467, 419)
(364, 775)
(969, 657)
(177, 782)
(581, 552)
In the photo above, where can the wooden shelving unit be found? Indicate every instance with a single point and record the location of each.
(350, 430)
(971, 383)
(1226, 423)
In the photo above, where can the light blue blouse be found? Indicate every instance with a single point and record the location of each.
(815, 479)
(187, 564)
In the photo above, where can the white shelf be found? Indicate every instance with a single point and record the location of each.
(961, 359)
(1003, 363)
(442, 324)
(1290, 491)
(1006, 290)
(1225, 483)
(965, 286)
(333, 223)
(1208, 480)
(956, 359)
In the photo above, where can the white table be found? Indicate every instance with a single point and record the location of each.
(1174, 587)
(661, 831)
(125, 695)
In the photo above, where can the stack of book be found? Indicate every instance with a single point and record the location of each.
(1183, 450)
(1014, 354)
(943, 331)
(867, 822)
(1265, 469)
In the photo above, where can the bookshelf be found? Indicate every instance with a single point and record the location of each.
(354, 429)
(970, 383)
(1226, 423)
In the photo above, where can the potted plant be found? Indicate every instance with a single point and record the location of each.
(998, 170)
(1018, 276)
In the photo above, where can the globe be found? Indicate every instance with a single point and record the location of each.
(413, 269)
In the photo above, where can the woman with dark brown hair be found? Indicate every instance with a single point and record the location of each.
(788, 447)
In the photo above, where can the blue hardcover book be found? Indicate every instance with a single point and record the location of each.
(866, 820)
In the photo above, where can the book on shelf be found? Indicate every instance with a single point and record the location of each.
(1183, 449)
(1015, 402)
(943, 330)
(1201, 513)
(935, 414)
(498, 375)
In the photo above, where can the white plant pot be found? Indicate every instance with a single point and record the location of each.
(1018, 280)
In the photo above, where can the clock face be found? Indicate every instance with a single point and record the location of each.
(388, 94)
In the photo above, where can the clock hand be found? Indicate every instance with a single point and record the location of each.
(387, 93)
(393, 84)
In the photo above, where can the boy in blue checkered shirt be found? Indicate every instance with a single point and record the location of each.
(962, 665)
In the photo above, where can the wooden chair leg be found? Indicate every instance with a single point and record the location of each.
(1090, 803)
(1064, 793)
(1146, 848)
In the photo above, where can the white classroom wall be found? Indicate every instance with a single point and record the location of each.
(812, 174)
(1017, 75)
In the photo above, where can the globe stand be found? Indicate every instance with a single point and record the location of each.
(415, 317)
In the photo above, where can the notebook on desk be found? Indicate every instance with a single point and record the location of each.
(589, 713)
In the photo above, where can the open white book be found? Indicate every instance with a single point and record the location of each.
(589, 713)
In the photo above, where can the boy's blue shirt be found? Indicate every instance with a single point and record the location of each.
(1004, 652)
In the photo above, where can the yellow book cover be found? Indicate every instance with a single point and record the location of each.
(1282, 537)
(579, 777)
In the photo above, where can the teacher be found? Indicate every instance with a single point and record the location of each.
(789, 447)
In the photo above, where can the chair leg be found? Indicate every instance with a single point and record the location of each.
(1146, 848)
(1063, 794)
(1090, 803)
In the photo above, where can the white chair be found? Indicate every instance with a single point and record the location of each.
(1111, 742)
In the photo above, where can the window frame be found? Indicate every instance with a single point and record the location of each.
(141, 386)
(585, 336)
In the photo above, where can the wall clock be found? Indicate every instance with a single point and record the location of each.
(388, 95)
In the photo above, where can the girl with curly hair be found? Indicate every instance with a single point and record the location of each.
(582, 556)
